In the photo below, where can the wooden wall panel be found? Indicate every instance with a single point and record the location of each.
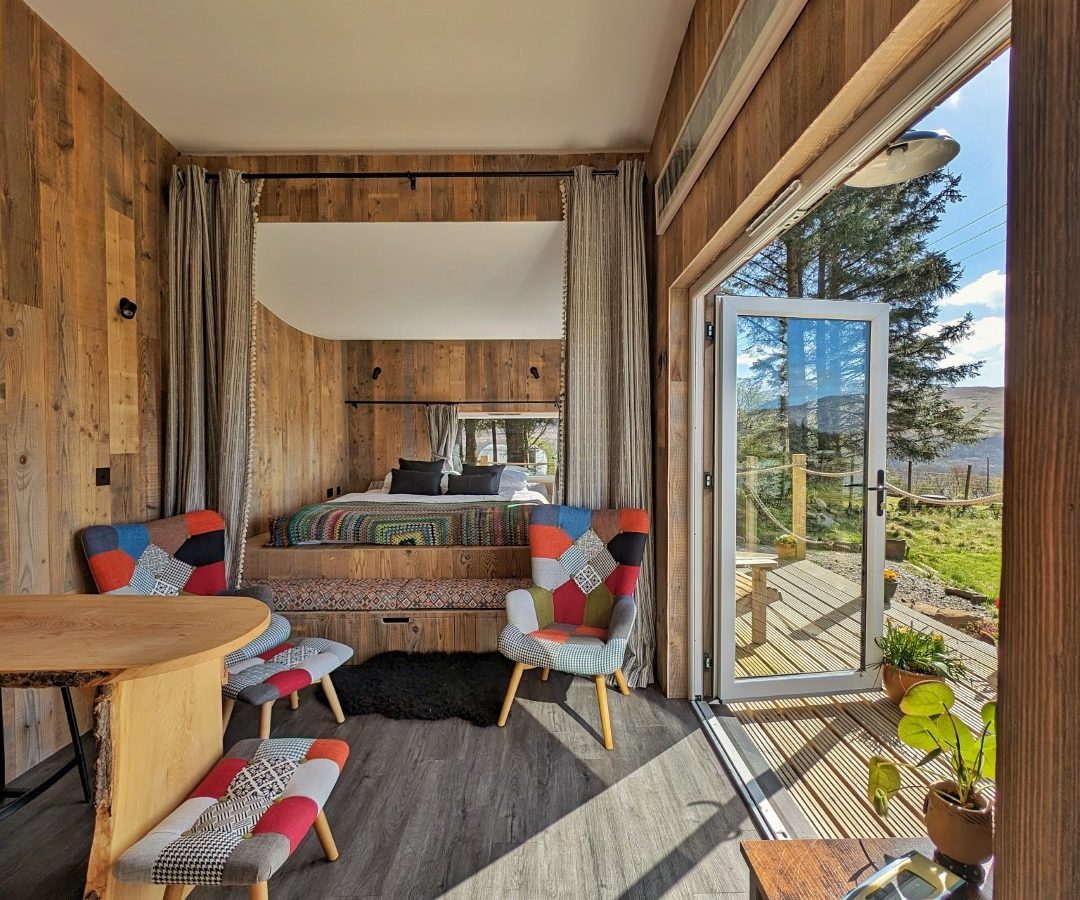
(300, 438)
(77, 166)
(442, 371)
(839, 56)
(434, 200)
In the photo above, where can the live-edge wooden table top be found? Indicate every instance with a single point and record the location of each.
(118, 637)
(828, 869)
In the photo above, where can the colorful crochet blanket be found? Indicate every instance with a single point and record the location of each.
(495, 524)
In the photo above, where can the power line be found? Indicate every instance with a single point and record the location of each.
(967, 224)
(970, 239)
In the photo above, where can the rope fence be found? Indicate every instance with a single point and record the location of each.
(799, 498)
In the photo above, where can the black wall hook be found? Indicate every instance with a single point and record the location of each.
(375, 373)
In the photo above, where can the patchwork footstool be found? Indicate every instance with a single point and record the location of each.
(244, 820)
(272, 667)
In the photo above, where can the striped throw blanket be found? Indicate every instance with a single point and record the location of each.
(496, 524)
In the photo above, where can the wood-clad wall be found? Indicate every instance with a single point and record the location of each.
(837, 59)
(1037, 839)
(300, 418)
(82, 223)
(434, 200)
(442, 371)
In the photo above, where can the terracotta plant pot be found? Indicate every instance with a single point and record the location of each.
(897, 682)
(787, 551)
(965, 835)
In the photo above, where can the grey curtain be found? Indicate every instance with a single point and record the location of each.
(607, 415)
(209, 412)
(442, 423)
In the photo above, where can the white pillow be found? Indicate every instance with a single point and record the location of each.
(513, 477)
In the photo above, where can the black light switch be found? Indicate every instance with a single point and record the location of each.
(102, 476)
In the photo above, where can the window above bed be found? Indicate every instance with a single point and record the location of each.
(530, 441)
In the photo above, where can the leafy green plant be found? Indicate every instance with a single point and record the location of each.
(788, 540)
(929, 725)
(921, 652)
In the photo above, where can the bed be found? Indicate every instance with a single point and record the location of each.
(380, 518)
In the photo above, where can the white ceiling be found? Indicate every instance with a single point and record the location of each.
(382, 75)
(413, 280)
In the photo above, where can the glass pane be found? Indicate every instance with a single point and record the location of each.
(801, 424)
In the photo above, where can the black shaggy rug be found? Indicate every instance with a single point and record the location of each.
(429, 686)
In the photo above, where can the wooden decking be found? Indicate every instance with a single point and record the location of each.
(819, 746)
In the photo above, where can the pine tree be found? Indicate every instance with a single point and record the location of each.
(874, 245)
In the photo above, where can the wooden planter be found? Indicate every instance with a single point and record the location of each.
(895, 549)
(787, 551)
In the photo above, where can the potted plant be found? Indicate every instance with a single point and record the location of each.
(959, 820)
(787, 546)
(892, 581)
(910, 657)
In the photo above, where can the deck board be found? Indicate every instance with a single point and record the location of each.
(818, 747)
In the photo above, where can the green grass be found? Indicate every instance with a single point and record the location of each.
(959, 547)
(963, 547)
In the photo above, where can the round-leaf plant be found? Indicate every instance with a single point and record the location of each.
(929, 724)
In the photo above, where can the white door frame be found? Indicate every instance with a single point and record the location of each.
(876, 315)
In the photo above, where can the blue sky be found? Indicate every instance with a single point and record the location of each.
(973, 231)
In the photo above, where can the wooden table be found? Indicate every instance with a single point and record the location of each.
(157, 662)
(826, 869)
(759, 564)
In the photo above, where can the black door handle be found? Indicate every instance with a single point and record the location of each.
(880, 490)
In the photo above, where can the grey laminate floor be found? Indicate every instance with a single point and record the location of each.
(428, 809)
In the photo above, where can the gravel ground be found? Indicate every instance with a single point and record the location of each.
(915, 587)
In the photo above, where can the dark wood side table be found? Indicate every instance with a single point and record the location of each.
(827, 869)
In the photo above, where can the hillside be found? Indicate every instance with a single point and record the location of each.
(974, 399)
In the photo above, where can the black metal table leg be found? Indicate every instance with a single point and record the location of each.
(15, 798)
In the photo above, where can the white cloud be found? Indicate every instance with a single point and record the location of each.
(985, 343)
(953, 100)
(987, 291)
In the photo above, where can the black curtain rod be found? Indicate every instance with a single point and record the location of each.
(355, 403)
(411, 177)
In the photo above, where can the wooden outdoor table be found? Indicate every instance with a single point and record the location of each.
(158, 664)
(827, 869)
(759, 564)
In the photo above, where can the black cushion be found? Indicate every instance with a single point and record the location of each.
(412, 482)
(473, 484)
(261, 592)
(420, 465)
(482, 470)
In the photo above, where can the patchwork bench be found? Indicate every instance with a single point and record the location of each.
(244, 820)
(374, 615)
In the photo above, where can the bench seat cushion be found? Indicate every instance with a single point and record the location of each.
(388, 594)
(244, 819)
(279, 670)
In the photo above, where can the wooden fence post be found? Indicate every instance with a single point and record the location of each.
(798, 502)
(749, 505)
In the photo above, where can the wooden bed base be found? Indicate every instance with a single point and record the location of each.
(367, 561)
(369, 633)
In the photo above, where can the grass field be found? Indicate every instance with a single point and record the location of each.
(962, 546)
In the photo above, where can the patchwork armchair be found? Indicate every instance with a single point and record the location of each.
(578, 614)
(185, 554)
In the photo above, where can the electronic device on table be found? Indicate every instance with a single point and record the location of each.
(909, 877)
